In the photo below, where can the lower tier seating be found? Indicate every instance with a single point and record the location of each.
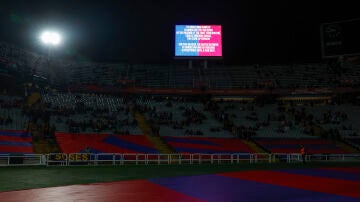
(312, 145)
(354, 141)
(103, 143)
(207, 145)
(15, 141)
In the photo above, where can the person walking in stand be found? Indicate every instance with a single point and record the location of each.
(303, 153)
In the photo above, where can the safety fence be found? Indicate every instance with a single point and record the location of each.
(62, 159)
(22, 159)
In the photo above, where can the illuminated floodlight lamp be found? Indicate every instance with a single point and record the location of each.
(50, 38)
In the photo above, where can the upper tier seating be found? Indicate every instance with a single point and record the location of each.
(219, 76)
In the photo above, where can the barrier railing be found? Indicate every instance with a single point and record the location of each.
(22, 160)
(62, 159)
(333, 157)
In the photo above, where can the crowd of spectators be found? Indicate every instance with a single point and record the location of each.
(10, 104)
(227, 120)
(331, 122)
(5, 120)
(287, 116)
(7, 107)
(100, 125)
(190, 117)
(82, 119)
(334, 73)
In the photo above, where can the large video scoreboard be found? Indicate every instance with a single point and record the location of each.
(198, 41)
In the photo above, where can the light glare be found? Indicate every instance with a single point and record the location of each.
(50, 38)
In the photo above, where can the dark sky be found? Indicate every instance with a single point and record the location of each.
(142, 31)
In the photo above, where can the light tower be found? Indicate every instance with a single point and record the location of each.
(51, 40)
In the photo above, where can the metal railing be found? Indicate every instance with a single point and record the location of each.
(22, 160)
(62, 159)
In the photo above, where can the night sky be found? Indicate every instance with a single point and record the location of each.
(142, 31)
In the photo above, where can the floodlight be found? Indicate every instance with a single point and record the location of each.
(50, 38)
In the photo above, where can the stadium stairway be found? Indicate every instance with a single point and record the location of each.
(43, 146)
(347, 147)
(258, 149)
(33, 98)
(254, 146)
(157, 141)
(34, 101)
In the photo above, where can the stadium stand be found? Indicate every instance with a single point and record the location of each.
(175, 117)
(88, 113)
(268, 120)
(181, 118)
(188, 125)
(185, 123)
(103, 143)
(292, 145)
(354, 141)
(207, 145)
(15, 141)
(219, 76)
(180, 75)
(11, 115)
(337, 119)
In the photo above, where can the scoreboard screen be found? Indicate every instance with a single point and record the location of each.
(198, 40)
(340, 38)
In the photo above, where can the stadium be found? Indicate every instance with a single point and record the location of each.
(145, 101)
